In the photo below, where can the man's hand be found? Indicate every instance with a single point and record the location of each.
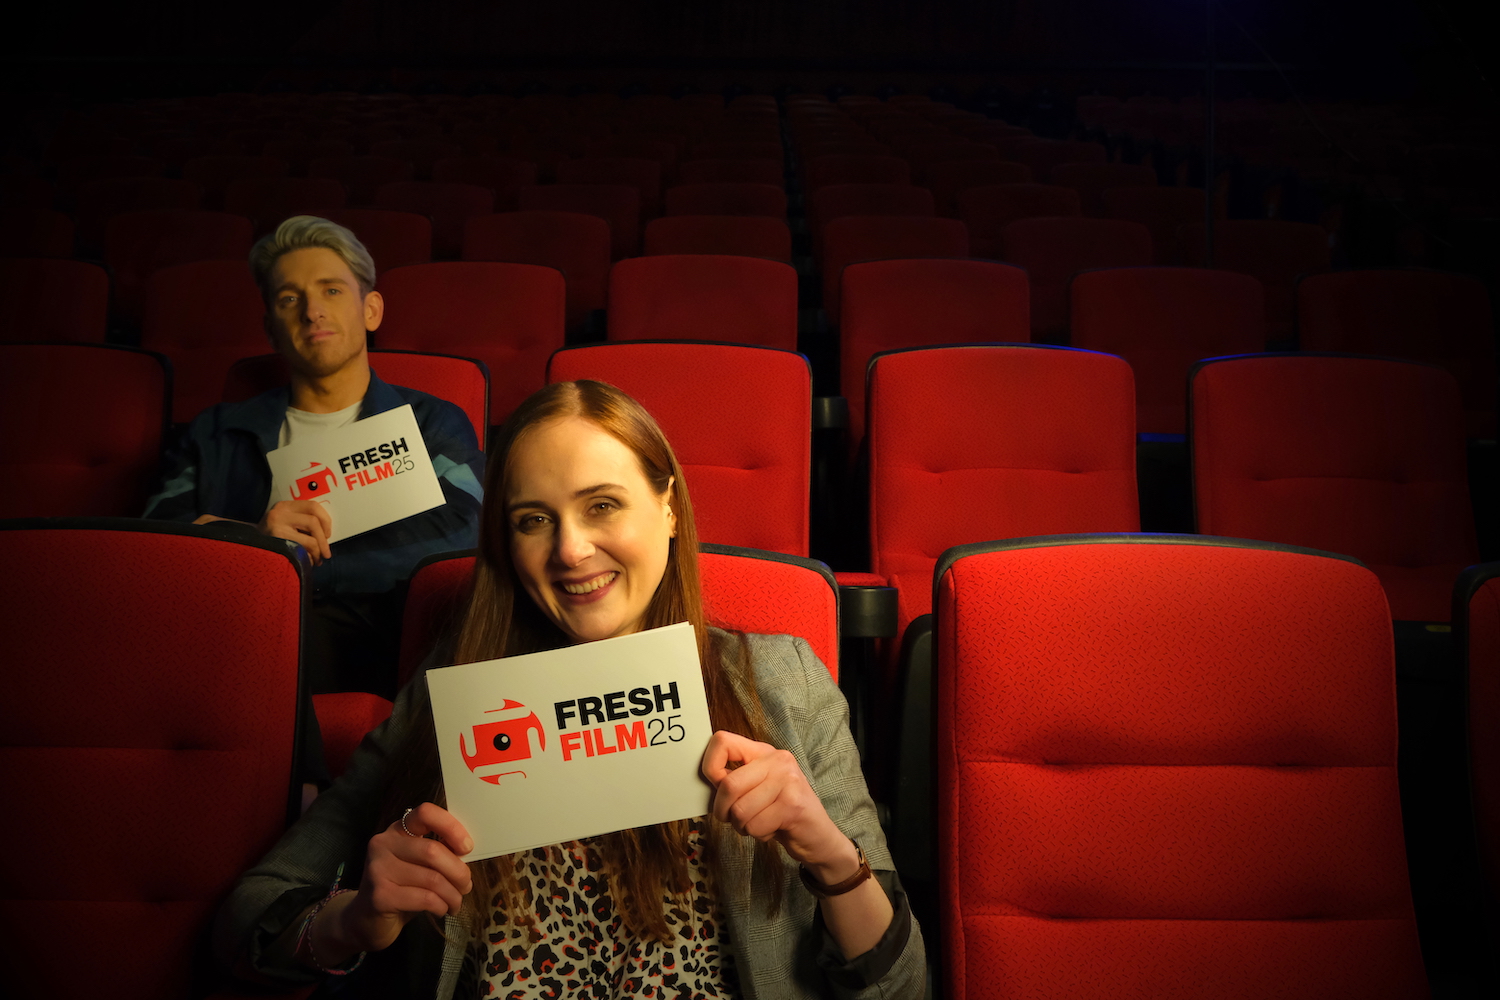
(305, 522)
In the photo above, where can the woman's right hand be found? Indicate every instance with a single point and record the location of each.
(404, 875)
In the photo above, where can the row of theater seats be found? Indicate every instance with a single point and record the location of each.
(1160, 763)
(513, 316)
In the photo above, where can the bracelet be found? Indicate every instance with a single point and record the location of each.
(304, 935)
(825, 891)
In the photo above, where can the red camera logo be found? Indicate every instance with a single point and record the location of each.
(315, 483)
(502, 742)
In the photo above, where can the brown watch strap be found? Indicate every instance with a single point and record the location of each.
(819, 889)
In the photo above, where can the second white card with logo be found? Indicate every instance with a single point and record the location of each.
(575, 742)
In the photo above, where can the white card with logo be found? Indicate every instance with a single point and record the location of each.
(368, 474)
(574, 742)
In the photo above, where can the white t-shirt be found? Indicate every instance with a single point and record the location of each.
(300, 424)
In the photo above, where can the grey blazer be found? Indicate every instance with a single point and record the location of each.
(776, 957)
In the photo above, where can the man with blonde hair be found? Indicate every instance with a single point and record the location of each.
(318, 284)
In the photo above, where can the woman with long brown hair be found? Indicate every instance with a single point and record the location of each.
(785, 890)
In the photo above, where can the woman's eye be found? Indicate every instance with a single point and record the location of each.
(604, 507)
(531, 522)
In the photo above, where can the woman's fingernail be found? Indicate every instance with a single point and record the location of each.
(468, 844)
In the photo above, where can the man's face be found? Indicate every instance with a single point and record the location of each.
(317, 317)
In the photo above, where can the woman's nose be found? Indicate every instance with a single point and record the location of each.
(573, 544)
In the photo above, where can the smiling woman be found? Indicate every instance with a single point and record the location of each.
(587, 533)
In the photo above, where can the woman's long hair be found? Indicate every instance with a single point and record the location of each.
(645, 865)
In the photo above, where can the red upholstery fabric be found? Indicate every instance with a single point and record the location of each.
(99, 201)
(969, 444)
(83, 426)
(727, 198)
(420, 153)
(733, 235)
(1276, 252)
(741, 300)
(845, 169)
(573, 243)
(855, 238)
(300, 153)
(75, 171)
(1354, 455)
(988, 209)
(503, 175)
(214, 174)
(56, 300)
(138, 243)
(617, 204)
(510, 316)
(270, 200)
(1162, 320)
(737, 150)
(723, 171)
(1042, 155)
(1163, 210)
(343, 719)
(835, 201)
(394, 239)
(203, 316)
(1175, 776)
(1053, 250)
(892, 304)
(740, 421)
(449, 206)
(149, 715)
(436, 598)
(1091, 180)
(924, 154)
(747, 593)
(642, 174)
(1483, 634)
(35, 232)
(948, 178)
(361, 176)
(1442, 319)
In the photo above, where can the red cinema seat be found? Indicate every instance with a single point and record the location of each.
(1163, 320)
(988, 209)
(449, 206)
(153, 673)
(24, 191)
(949, 178)
(78, 170)
(509, 316)
(732, 171)
(85, 423)
(344, 717)
(970, 444)
(1276, 252)
(53, 300)
(1179, 757)
(759, 445)
(394, 239)
(420, 153)
(1442, 319)
(1052, 250)
(835, 201)
(138, 243)
(724, 235)
(1043, 155)
(214, 174)
(843, 169)
(925, 153)
(895, 304)
(504, 175)
(268, 201)
(573, 243)
(299, 153)
(856, 238)
(1163, 210)
(643, 175)
(727, 198)
(1091, 180)
(35, 232)
(1476, 622)
(617, 204)
(1362, 456)
(203, 316)
(101, 200)
(361, 176)
(738, 149)
(740, 300)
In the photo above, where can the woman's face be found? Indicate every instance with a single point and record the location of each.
(588, 536)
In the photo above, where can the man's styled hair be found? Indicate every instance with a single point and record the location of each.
(304, 232)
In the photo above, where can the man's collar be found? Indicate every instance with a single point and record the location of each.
(379, 397)
(262, 415)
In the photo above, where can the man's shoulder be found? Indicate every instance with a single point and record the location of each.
(432, 412)
(256, 415)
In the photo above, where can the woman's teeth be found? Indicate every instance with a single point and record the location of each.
(591, 585)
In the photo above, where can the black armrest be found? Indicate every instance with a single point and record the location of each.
(830, 413)
(867, 612)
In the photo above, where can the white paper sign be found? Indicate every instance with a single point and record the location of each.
(369, 473)
(574, 742)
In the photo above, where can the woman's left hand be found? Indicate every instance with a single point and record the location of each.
(762, 792)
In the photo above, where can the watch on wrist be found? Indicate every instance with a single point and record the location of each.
(826, 891)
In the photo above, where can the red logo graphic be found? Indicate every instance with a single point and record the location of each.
(315, 483)
(502, 742)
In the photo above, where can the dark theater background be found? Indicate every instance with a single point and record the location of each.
(896, 278)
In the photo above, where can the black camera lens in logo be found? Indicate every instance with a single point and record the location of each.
(312, 487)
(502, 741)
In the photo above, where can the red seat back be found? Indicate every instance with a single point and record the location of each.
(739, 419)
(1163, 210)
(394, 239)
(268, 201)
(503, 175)
(1162, 320)
(1053, 250)
(1276, 252)
(724, 171)
(894, 304)
(53, 300)
(1442, 319)
(510, 316)
(84, 424)
(1173, 751)
(1476, 621)
(138, 243)
(101, 200)
(727, 198)
(573, 243)
(154, 674)
(214, 174)
(617, 204)
(725, 235)
(1091, 180)
(948, 178)
(35, 232)
(988, 208)
(835, 168)
(741, 300)
(1361, 456)
(856, 238)
(642, 174)
(361, 176)
(449, 206)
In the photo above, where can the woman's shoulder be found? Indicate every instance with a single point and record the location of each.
(785, 668)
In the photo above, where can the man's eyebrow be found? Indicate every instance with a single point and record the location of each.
(287, 285)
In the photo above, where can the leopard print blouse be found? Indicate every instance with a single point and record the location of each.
(577, 946)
